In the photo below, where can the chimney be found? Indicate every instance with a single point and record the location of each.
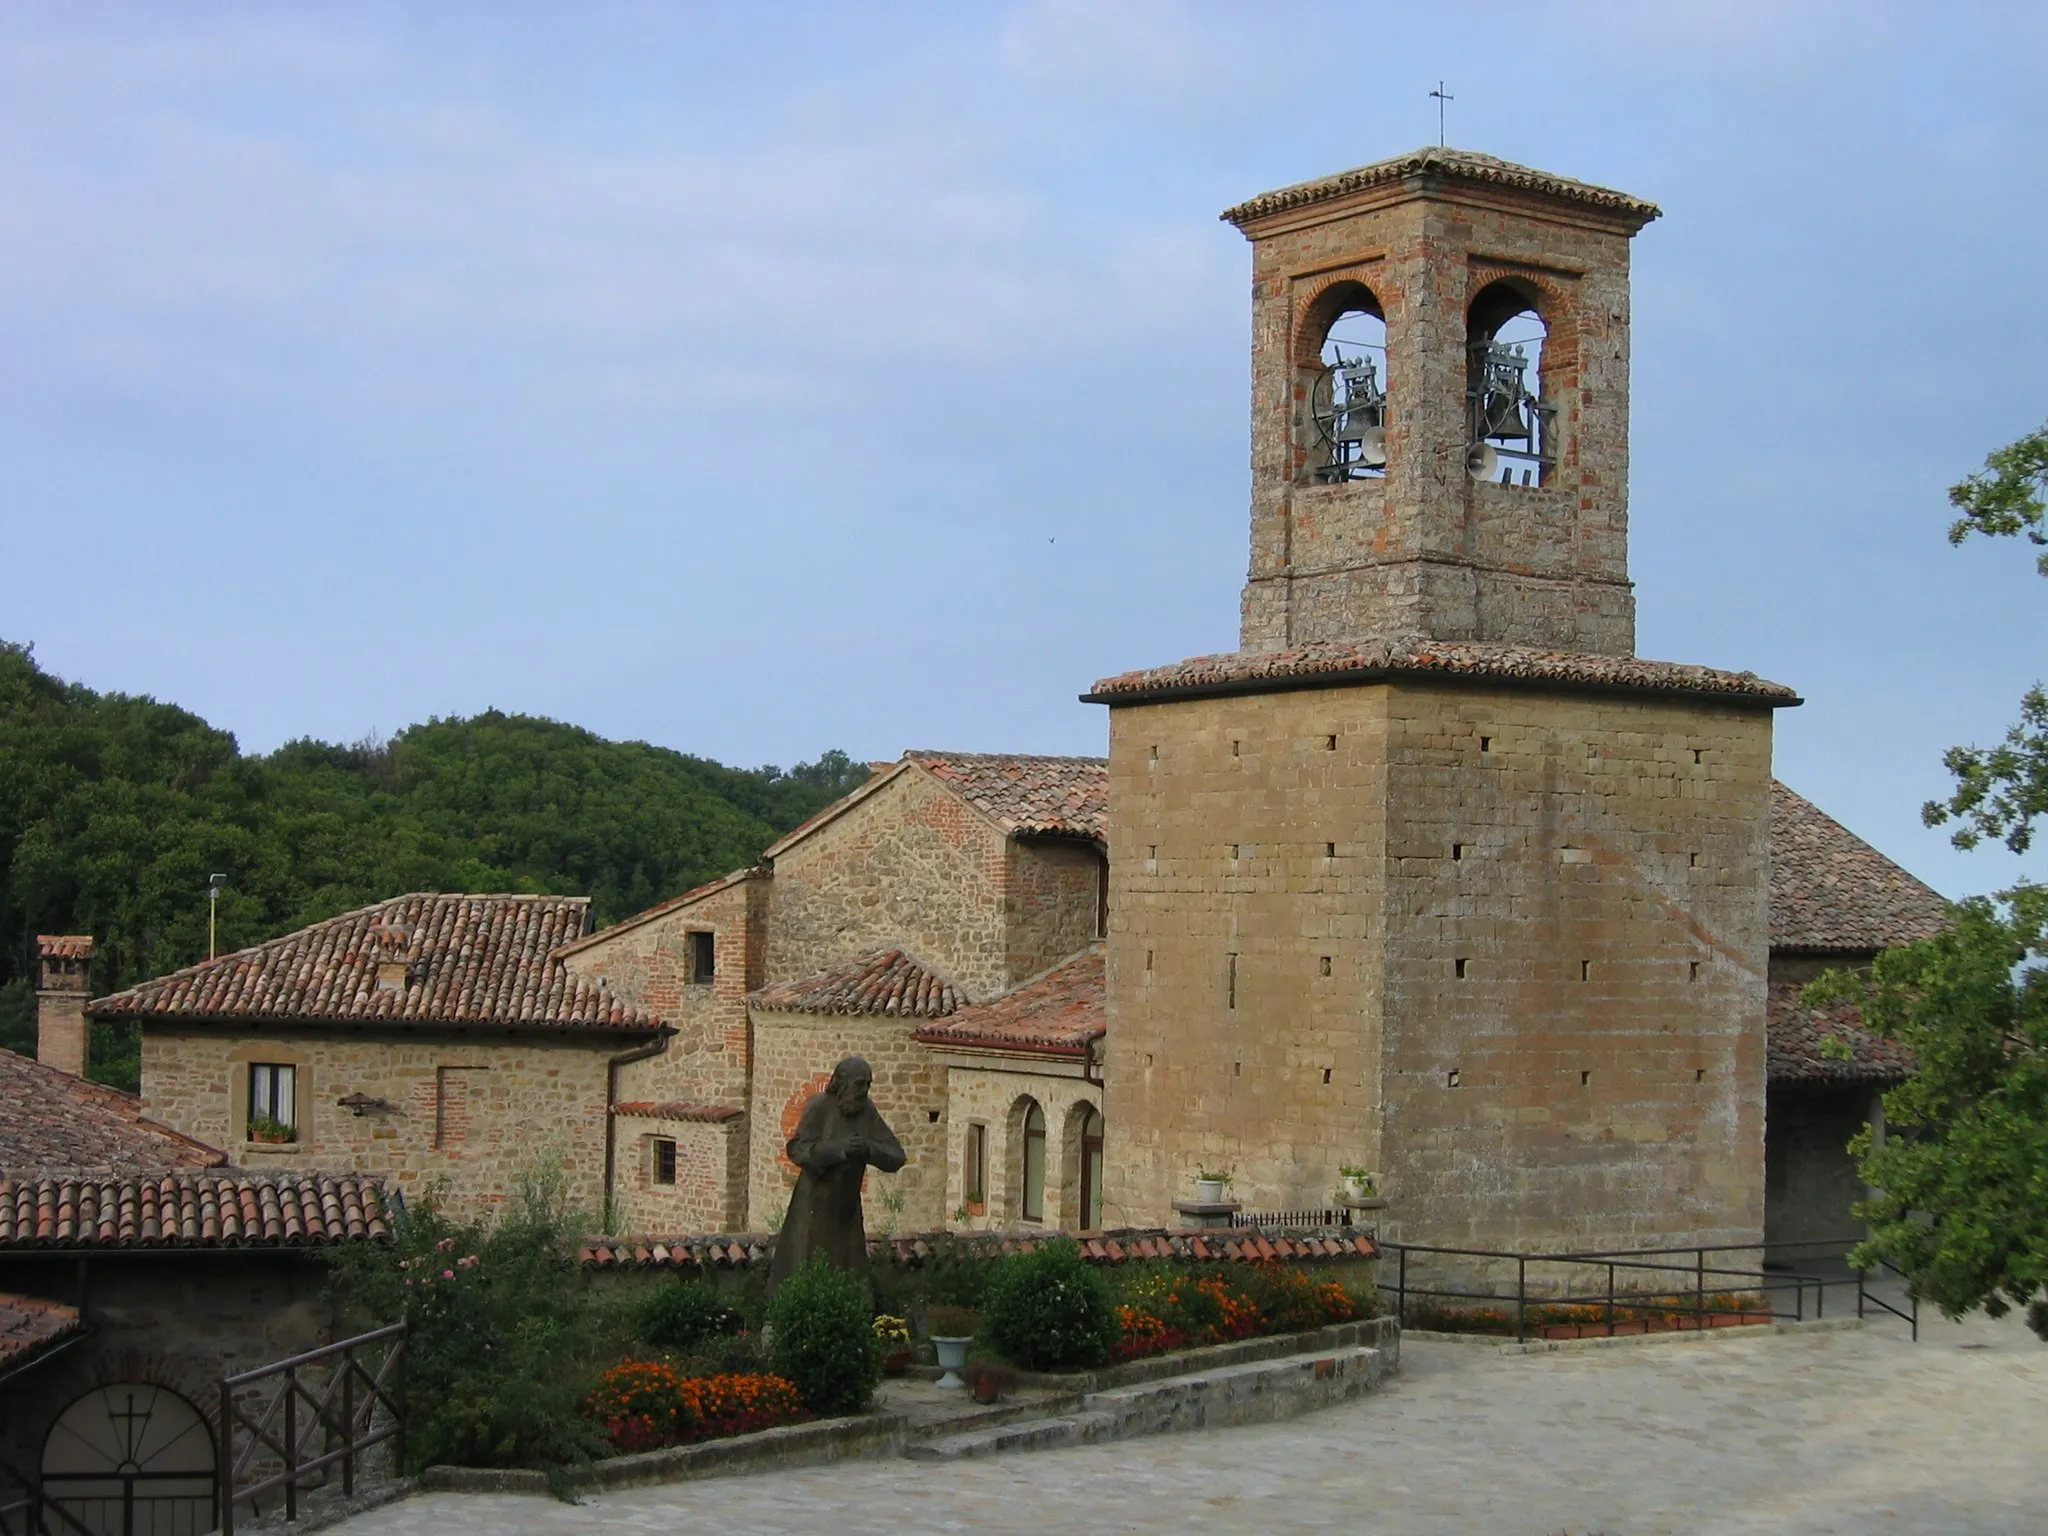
(389, 943)
(61, 1033)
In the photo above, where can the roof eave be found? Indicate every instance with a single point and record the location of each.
(1359, 677)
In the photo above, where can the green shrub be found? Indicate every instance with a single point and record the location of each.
(1048, 1311)
(822, 1338)
(506, 1336)
(683, 1314)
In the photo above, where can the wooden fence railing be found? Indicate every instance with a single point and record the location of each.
(284, 1425)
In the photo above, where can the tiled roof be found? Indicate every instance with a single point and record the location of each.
(883, 981)
(1377, 660)
(753, 1250)
(1058, 1014)
(50, 1120)
(1045, 796)
(1830, 890)
(468, 960)
(1795, 1033)
(676, 1109)
(29, 1324)
(186, 1209)
(64, 946)
(1460, 164)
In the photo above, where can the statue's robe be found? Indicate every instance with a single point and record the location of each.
(824, 1211)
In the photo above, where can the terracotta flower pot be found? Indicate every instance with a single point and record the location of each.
(896, 1362)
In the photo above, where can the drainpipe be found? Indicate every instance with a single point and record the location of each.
(611, 1099)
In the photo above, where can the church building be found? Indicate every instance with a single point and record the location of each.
(1433, 875)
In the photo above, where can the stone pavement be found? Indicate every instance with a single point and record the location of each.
(1806, 1433)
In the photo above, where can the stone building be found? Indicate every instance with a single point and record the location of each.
(430, 1039)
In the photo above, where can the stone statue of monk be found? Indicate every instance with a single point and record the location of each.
(838, 1135)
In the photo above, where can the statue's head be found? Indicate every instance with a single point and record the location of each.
(851, 1080)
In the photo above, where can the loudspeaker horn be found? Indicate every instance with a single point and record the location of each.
(1372, 447)
(1481, 462)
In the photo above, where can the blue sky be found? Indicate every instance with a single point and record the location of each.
(759, 380)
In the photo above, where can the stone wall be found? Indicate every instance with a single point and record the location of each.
(1812, 1180)
(647, 961)
(995, 1097)
(1426, 550)
(794, 1054)
(1508, 948)
(1053, 895)
(474, 1111)
(177, 1322)
(709, 1193)
(911, 866)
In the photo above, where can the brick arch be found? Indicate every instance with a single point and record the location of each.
(1556, 303)
(1314, 315)
(793, 1111)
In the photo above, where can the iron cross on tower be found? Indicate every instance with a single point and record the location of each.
(1440, 96)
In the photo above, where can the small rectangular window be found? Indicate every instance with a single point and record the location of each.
(703, 957)
(974, 1165)
(664, 1171)
(1460, 963)
(1230, 982)
(1329, 850)
(1457, 852)
(1329, 743)
(1486, 743)
(273, 1098)
(1326, 965)
(1692, 970)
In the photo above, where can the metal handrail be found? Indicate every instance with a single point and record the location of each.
(353, 1430)
(1680, 1300)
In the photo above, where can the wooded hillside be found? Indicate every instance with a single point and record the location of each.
(115, 809)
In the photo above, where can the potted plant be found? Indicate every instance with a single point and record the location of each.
(1210, 1184)
(952, 1330)
(271, 1131)
(892, 1337)
(1358, 1182)
(989, 1381)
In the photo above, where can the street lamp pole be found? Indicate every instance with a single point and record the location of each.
(213, 885)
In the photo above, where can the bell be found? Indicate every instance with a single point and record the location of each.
(1501, 417)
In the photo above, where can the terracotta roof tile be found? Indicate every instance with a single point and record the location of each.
(1060, 1013)
(1375, 660)
(1796, 1032)
(188, 1209)
(467, 960)
(64, 946)
(756, 1249)
(1027, 796)
(50, 1120)
(1830, 890)
(30, 1324)
(885, 981)
(676, 1109)
(1457, 164)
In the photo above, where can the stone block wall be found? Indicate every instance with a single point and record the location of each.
(794, 1057)
(1506, 947)
(910, 866)
(1052, 898)
(473, 1111)
(175, 1322)
(1425, 550)
(647, 961)
(709, 1193)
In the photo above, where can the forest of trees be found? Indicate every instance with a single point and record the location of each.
(115, 809)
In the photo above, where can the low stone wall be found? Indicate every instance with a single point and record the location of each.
(1374, 1332)
(867, 1436)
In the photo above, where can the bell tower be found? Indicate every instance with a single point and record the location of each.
(1440, 407)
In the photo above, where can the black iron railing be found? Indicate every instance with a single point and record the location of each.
(283, 1426)
(1626, 1289)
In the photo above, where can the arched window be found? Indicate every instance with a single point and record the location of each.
(1342, 387)
(1032, 1149)
(131, 1459)
(1091, 1167)
(1511, 426)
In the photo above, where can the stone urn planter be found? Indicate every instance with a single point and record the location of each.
(952, 1360)
(1210, 1191)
